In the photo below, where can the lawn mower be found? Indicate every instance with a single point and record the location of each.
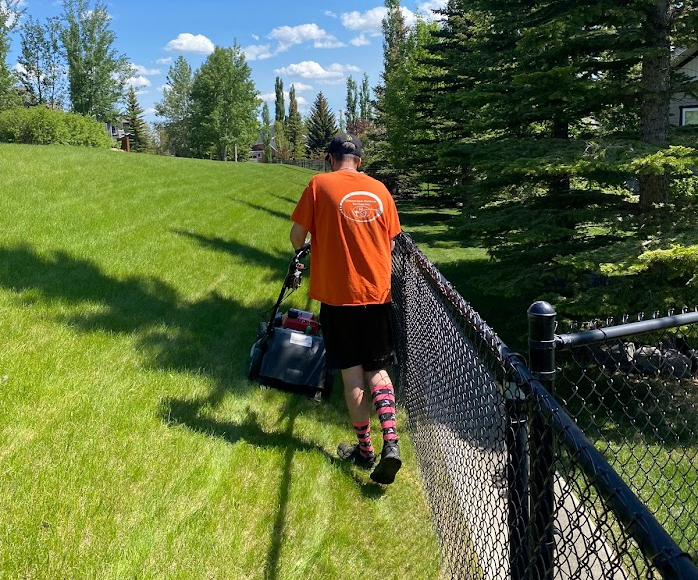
(289, 351)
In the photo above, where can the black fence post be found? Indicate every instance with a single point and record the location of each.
(517, 479)
(541, 348)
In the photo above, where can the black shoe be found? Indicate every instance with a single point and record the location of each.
(389, 464)
(352, 454)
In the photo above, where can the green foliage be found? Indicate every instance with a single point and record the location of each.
(97, 75)
(224, 106)
(138, 128)
(43, 126)
(294, 127)
(321, 126)
(175, 107)
(351, 112)
(266, 134)
(42, 62)
(10, 13)
(279, 106)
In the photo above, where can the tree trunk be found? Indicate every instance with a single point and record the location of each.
(656, 97)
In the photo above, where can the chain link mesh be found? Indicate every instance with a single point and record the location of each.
(505, 505)
(636, 398)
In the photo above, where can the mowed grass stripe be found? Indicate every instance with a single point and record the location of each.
(131, 443)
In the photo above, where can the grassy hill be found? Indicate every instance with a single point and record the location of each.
(131, 443)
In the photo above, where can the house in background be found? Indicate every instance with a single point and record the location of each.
(684, 107)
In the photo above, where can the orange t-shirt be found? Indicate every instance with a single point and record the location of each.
(352, 219)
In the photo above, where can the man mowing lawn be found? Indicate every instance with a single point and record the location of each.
(352, 220)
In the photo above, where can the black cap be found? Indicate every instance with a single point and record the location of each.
(344, 144)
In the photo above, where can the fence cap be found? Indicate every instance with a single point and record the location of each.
(541, 308)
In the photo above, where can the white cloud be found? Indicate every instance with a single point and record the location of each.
(426, 8)
(255, 37)
(18, 68)
(149, 111)
(166, 60)
(142, 71)
(258, 52)
(268, 97)
(187, 42)
(302, 87)
(288, 36)
(312, 70)
(371, 21)
(138, 82)
(360, 40)
(330, 14)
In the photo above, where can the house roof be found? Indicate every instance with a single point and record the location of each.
(683, 56)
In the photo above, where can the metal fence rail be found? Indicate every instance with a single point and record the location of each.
(517, 491)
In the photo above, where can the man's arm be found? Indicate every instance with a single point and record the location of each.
(298, 235)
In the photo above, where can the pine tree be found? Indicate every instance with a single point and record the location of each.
(294, 127)
(321, 126)
(138, 128)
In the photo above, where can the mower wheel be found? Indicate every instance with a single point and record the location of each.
(256, 356)
(261, 330)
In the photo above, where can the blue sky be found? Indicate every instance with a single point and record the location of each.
(313, 45)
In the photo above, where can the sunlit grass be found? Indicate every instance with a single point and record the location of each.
(131, 443)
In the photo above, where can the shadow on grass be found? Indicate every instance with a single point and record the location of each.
(175, 335)
(188, 414)
(274, 213)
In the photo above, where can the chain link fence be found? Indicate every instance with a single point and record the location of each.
(636, 398)
(517, 491)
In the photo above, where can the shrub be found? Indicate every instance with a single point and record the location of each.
(43, 126)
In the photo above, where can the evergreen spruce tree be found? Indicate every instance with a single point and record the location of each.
(294, 127)
(138, 128)
(321, 126)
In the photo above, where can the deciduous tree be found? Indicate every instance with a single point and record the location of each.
(175, 107)
(294, 126)
(266, 134)
(224, 105)
(43, 68)
(97, 74)
(10, 12)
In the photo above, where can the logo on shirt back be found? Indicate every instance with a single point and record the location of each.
(361, 206)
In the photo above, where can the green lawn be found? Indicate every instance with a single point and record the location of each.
(131, 443)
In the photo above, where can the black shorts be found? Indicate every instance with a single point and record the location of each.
(357, 335)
